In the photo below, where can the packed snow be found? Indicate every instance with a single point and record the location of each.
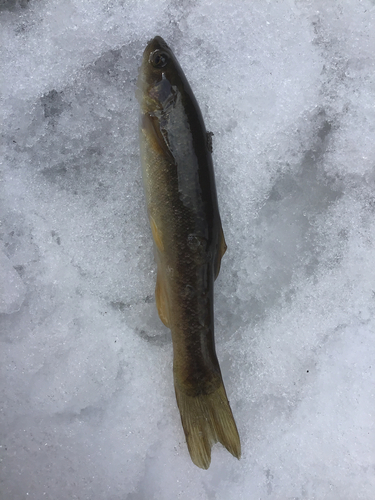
(87, 402)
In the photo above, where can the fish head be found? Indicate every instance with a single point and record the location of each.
(159, 78)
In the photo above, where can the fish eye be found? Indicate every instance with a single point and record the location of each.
(159, 59)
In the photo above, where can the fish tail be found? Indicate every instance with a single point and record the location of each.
(207, 419)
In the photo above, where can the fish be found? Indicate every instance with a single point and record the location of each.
(189, 243)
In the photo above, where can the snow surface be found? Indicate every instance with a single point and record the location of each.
(87, 401)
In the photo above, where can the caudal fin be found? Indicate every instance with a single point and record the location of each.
(207, 419)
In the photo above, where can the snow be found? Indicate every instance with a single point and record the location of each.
(88, 409)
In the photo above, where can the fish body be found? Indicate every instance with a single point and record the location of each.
(189, 244)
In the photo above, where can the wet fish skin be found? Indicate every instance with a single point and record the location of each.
(189, 243)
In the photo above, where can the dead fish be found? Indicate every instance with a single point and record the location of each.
(189, 243)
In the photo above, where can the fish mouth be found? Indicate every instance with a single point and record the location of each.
(157, 43)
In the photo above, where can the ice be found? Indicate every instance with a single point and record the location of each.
(87, 401)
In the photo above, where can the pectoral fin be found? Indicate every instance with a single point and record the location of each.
(222, 247)
(153, 133)
(162, 298)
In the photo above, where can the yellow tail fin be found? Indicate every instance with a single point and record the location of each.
(207, 419)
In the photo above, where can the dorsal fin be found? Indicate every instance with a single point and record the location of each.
(222, 247)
